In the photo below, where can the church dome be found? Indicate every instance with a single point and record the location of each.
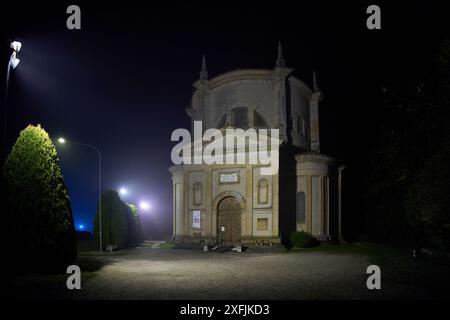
(254, 98)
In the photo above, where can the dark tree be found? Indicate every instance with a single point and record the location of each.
(114, 221)
(40, 218)
(135, 230)
(408, 197)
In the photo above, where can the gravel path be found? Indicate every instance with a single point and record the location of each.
(149, 273)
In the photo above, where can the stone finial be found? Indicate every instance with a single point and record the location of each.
(315, 83)
(280, 58)
(203, 72)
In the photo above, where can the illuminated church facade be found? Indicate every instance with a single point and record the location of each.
(235, 203)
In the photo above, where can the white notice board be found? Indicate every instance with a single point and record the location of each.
(196, 219)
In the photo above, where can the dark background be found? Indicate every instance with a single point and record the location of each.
(122, 81)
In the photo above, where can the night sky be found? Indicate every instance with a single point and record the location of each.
(122, 81)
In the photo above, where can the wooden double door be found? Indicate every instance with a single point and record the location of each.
(229, 221)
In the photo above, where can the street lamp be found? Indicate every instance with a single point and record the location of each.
(63, 141)
(123, 191)
(12, 63)
(144, 205)
(16, 45)
(13, 60)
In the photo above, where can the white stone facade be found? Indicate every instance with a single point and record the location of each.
(235, 203)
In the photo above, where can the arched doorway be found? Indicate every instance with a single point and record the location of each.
(229, 221)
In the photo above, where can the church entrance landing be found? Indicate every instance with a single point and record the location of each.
(229, 221)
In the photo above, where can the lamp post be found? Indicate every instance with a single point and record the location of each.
(12, 63)
(340, 169)
(63, 141)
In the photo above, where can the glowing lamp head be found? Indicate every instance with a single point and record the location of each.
(144, 205)
(14, 61)
(123, 191)
(62, 140)
(16, 45)
(81, 226)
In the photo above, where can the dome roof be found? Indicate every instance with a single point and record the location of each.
(252, 74)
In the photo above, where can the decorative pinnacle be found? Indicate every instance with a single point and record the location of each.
(203, 72)
(280, 58)
(315, 83)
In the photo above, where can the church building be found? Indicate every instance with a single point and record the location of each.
(236, 203)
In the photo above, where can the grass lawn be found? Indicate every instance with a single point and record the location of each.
(166, 245)
(375, 252)
(397, 264)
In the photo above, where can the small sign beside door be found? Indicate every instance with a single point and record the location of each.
(196, 219)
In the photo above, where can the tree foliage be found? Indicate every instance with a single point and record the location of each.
(114, 220)
(40, 218)
(121, 226)
(135, 234)
(408, 197)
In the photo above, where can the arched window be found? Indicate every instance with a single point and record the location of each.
(240, 117)
(197, 193)
(260, 122)
(300, 207)
(263, 191)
